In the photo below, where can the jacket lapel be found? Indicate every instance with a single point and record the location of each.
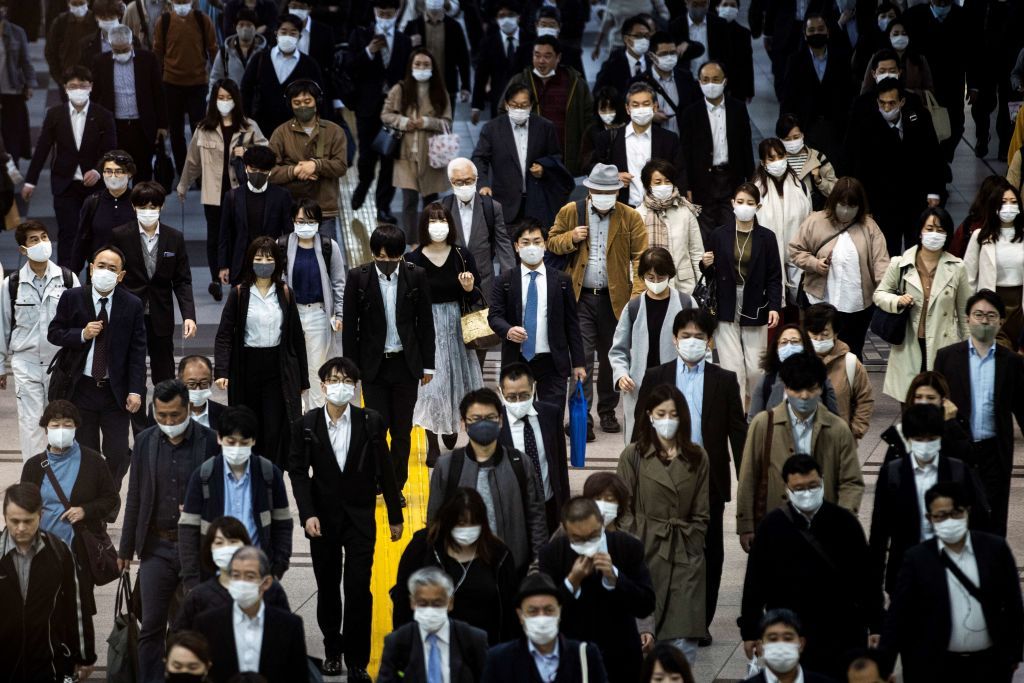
(944, 273)
(355, 439)
(515, 277)
(650, 466)
(454, 652)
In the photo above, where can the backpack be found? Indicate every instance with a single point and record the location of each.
(325, 246)
(165, 24)
(15, 278)
(266, 469)
(455, 474)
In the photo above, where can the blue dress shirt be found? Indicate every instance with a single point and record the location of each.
(983, 390)
(238, 502)
(690, 381)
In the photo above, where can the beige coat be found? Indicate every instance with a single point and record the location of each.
(412, 169)
(205, 159)
(806, 252)
(832, 445)
(670, 513)
(856, 403)
(826, 173)
(946, 322)
(684, 243)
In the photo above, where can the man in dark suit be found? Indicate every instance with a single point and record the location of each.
(781, 643)
(101, 331)
(717, 422)
(506, 46)
(197, 374)
(508, 149)
(533, 310)
(715, 164)
(986, 383)
(77, 133)
(275, 644)
(453, 57)
(604, 583)
(535, 428)
(461, 646)
(782, 26)
(549, 22)
(140, 114)
(377, 58)
(156, 265)
(346, 448)
(627, 64)
(956, 614)
(698, 26)
(675, 86)
(389, 334)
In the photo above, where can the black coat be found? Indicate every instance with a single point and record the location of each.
(809, 677)
(698, 147)
(762, 291)
(149, 91)
(402, 659)
(777, 19)
(615, 71)
(282, 653)
(812, 100)
(728, 43)
(917, 625)
(366, 327)
(235, 231)
(687, 89)
(506, 312)
(211, 595)
(949, 46)
(371, 78)
(456, 54)
(263, 94)
(550, 418)
(512, 662)
(57, 136)
(955, 441)
(606, 618)
(610, 145)
(494, 68)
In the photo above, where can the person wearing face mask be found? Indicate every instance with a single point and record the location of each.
(873, 36)
(770, 392)
(446, 40)
(558, 22)
(698, 27)
(672, 222)
(17, 91)
(164, 457)
(214, 153)
(239, 47)
(504, 50)
(800, 424)
(935, 286)
(68, 29)
(25, 315)
(803, 551)
(77, 133)
(106, 209)
(609, 116)
(437, 647)
(196, 371)
(812, 168)
(346, 448)
(543, 653)
(252, 635)
(108, 14)
(899, 519)
(674, 84)
(188, 658)
(739, 59)
(843, 256)
(931, 388)
(668, 474)
(907, 66)
(624, 66)
(780, 644)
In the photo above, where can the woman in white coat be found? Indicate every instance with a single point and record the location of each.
(933, 284)
(671, 222)
(646, 318)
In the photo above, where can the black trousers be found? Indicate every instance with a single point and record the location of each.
(132, 139)
(986, 665)
(367, 129)
(597, 326)
(981, 112)
(14, 126)
(714, 557)
(852, 328)
(182, 101)
(551, 387)
(994, 470)
(345, 554)
(158, 581)
(101, 412)
(68, 207)
(261, 391)
(213, 213)
(954, 104)
(161, 353)
(392, 393)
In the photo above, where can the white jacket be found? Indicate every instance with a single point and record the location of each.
(684, 243)
(32, 316)
(783, 214)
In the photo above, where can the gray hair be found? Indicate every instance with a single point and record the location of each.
(120, 34)
(461, 161)
(251, 552)
(430, 576)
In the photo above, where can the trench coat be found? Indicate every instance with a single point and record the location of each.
(412, 169)
(205, 160)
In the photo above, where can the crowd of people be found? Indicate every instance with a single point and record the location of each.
(616, 230)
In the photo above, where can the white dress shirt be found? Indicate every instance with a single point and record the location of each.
(638, 153)
(541, 345)
(248, 637)
(770, 677)
(96, 296)
(78, 129)
(263, 321)
(698, 34)
(925, 477)
(341, 435)
(521, 135)
(389, 292)
(716, 115)
(668, 85)
(303, 45)
(547, 665)
(466, 216)
(444, 640)
(969, 632)
(633, 61)
(516, 427)
(203, 418)
(283, 64)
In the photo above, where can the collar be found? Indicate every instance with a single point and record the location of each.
(714, 107)
(770, 677)
(26, 274)
(439, 21)
(229, 475)
(241, 618)
(631, 132)
(205, 411)
(532, 412)
(793, 417)
(632, 61)
(691, 23)
(306, 27)
(346, 417)
(83, 112)
(513, 36)
(186, 436)
(932, 466)
(607, 215)
(96, 296)
(276, 53)
(10, 546)
(968, 550)
(525, 272)
(973, 351)
(683, 369)
(443, 634)
(537, 653)
(384, 278)
(156, 233)
(822, 58)
(465, 205)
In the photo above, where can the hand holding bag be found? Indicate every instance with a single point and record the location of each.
(388, 142)
(442, 148)
(940, 116)
(892, 327)
(123, 641)
(476, 331)
(578, 412)
(706, 292)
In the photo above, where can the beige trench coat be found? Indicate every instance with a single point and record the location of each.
(412, 170)
(206, 159)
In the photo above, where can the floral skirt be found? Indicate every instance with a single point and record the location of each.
(456, 373)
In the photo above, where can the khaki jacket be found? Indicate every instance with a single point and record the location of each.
(326, 146)
(857, 402)
(412, 169)
(832, 445)
(206, 160)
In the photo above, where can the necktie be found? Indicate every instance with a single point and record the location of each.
(510, 48)
(434, 662)
(530, 318)
(99, 354)
(530, 446)
(636, 69)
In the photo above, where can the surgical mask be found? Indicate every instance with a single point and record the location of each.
(466, 535)
(933, 241)
(300, 14)
(78, 10)
(781, 657)
(174, 431)
(438, 230)
(538, 74)
(386, 267)
(656, 287)
(697, 14)
(103, 280)
(641, 116)
(183, 677)
(817, 40)
(609, 511)
(518, 409)
(882, 75)
(541, 630)
(777, 168)
(122, 57)
(793, 146)
(222, 556)
(846, 213)
(304, 114)
(236, 456)
(662, 192)
(883, 23)
(547, 31)
(789, 350)
(641, 46)
(385, 25)
(608, 118)
(807, 501)
(107, 24)
(822, 346)
(287, 44)
(225, 107)
(40, 251)
(899, 42)
(199, 397)
(519, 116)
(464, 193)
(951, 530)
(744, 212)
(666, 428)
(245, 593)
(985, 334)
(692, 349)
(60, 437)
(263, 270)
(941, 12)
(78, 96)
(591, 547)
(925, 451)
(422, 75)
(182, 10)
(729, 13)
(115, 183)
(340, 394)
(603, 202)
(667, 62)
(531, 255)
(891, 116)
(508, 25)
(257, 178)
(431, 619)
(804, 406)
(148, 216)
(247, 34)
(484, 432)
(306, 230)
(712, 91)
(1008, 212)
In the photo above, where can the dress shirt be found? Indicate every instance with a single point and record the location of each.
(466, 216)
(444, 641)
(547, 665)
(521, 135)
(969, 632)
(78, 129)
(802, 430)
(719, 140)
(96, 296)
(389, 292)
(149, 241)
(248, 637)
(690, 381)
(595, 276)
(925, 477)
(516, 427)
(668, 85)
(769, 677)
(633, 61)
(698, 34)
(899, 123)
(203, 418)
(983, 389)
(504, 40)
(263, 322)
(283, 64)
(303, 45)
(638, 153)
(238, 501)
(541, 343)
(22, 560)
(126, 107)
(820, 64)
(341, 435)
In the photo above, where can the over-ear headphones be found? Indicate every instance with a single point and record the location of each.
(305, 84)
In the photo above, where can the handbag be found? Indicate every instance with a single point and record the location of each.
(706, 294)
(892, 327)
(99, 549)
(940, 116)
(578, 417)
(388, 142)
(801, 296)
(163, 168)
(476, 331)
(442, 148)
(123, 641)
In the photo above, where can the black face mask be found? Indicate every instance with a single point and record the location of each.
(257, 178)
(817, 40)
(387, 267)
(184, 677)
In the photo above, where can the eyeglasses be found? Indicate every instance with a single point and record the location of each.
(333, 381)
(205, 384)
(470, 182)
(313, 223)
(493, 417)
(980, 316)
(114, 172)
(958, 513)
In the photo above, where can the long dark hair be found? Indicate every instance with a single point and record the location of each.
(761, 175)
(211, 121)
(410, 91)
(928, 378)
(435, 211)
(646, 436)
(465, 505)
(770, 362)
(267, 246)
(989, 231)
(976, 213)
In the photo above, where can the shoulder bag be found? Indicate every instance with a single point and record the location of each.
(801, 297)
(476, 331)
(892, 327)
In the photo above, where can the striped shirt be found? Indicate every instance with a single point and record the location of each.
(797, 161)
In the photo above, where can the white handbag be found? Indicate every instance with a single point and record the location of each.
(442, 148)
(939, 114)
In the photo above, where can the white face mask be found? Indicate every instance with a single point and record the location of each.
(788, 349)
(245, 593)
(951, 530)
(781, 657)
(1008, 212)
(538, 74)
(744, 212)
(78, 10)
(78, 96)
(656, 287)
(174, 431)
(287, 44)
(225, 107)
(305, 230)
(925, 451)
(518, 409)
(40, 251)
(692, 349)
(236, 456)
(793, 146)
(591, 547)
(541, 630)
(728, 13)
(807, 501)
(385, 25)
(199, 397)
(667, 62)
(547, 31)
(438, 230)
(222, 555)
(891, 116)
(422, 75)
(608, 117)
(641, 46)
(107, 24)
(300, 14)
(147, 216)
(519, 116)
(182, 10)
(531, 255)
(933, 241)
(464, 193)
(823, 345)
(340, 394)
(603, 202)
(777, 168)
(666, 428)
(712, 91)
(103, 280)
(115, 183)
(662, 192)
(845, 213)
(122, 57)
(431, 619)
(609, 511)
(508, 25)
(641, 116)
(466, 535)
(60, 437)
(899, 42)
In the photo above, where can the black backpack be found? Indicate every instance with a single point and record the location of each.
(325, 246)
(455, 473)
(15, 279)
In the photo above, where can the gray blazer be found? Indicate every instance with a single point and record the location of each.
(333, 285)
(484, 253)
(20, 73)
(228, 63)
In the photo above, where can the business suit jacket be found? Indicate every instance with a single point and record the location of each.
(263, 93)
(56, 134)
(497, 160)
(550, 419)
(370, 76)
(512, 662)
(172, 274)
(611, 145)
(456, 54)
(917, 625)
(722, 421)
(698, 146)
(235, 232)
(282, 653)
(687, 89)
(728, 43)
(486, 243)
(506, 312)
(615, 71)
(605, 617)
(127, 346)
(402, 659)
(493, 66)
(149, 93)
(762, 292)
(808, 98)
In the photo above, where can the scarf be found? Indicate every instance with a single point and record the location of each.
(657, 211)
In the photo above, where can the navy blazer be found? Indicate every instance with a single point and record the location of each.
(402, 659)
(57, 136)
(127, 347)
(550, 418)
(763, 289)
(282, 654)
(149, 92)
(506, 312)
(235, 232)
(512, 662)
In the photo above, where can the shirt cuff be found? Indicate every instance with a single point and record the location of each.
(428, 372)
(30, 186)
(934, 196)
(604, 579)
(575, 592)
(83, 336)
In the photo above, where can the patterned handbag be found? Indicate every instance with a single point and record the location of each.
(442, 148)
